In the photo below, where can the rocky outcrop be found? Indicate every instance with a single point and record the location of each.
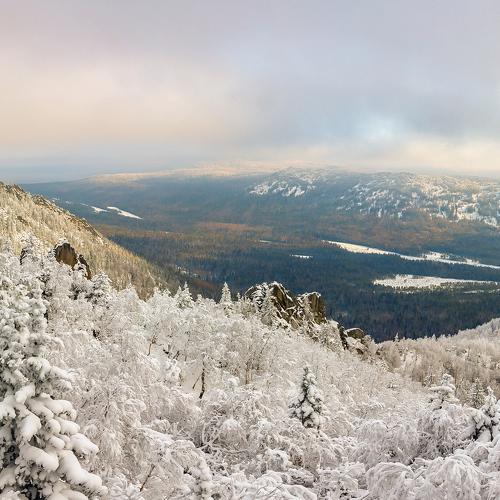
(355, 333)
(316, 306)
(289, 309)
(279, 306)
(66, 254)
(355, 340)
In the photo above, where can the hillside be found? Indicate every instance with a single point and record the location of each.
(396, 195)
(22, 214)
(174, 398)
(471, 356)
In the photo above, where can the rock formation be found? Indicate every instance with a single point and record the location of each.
(66, 254)
(289, 308)
(306, 310)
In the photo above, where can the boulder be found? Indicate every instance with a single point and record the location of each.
(66, 254)
(355, 333)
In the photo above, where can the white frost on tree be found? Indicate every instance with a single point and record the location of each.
(40, 443)
(268, 309)
(485, 421)
(443, 423)
(225, 300)
(183, 297)
(308, 406)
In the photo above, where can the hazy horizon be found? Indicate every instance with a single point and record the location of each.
(92, 87)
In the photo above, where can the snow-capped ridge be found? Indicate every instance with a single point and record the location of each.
(393, 195)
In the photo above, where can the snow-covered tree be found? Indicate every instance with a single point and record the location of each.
(308, 406)
(225, 300)
(442, 424)
(476, 394)
(40, 443)
(485, 422)
(183, 297)
(443, 394)
(268, 309)
(100, 289)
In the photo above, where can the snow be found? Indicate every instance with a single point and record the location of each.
(298, 256)
(351, 247)
(46, 459)
(7, 408)
(290, 185)
(98, 210)
(7, 478)
(29, 426)
(24, 393)
(72, 470)
(123, 213)
(409, 281)
(431, 256)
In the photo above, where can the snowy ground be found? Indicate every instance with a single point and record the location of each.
(98, 210)
(430, 256)
(124, 213)
(409, 281)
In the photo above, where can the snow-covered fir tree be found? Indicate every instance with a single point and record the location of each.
(444, 393)
(476, 394)
(486, 420)
(308, 317)
(308, 406)
(225, 300)
(100, 289)
(442, 423)
(268, 309)
(40, 444)
(183, 297)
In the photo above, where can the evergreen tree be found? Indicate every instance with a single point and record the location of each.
(476, 394)
(308, 406)
(486, 420)
(268, 310)
(40, 443)
(308, 314)
(225, 299)
(183, 297)
(100, 289)
(444, 393)
(440, 424)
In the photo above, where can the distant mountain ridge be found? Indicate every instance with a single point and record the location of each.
(395, 195)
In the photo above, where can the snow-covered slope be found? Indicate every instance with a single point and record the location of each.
(175, 398)
(397, 195)
(412, 282)
(427, 257)
(288, 184)
(22, 214)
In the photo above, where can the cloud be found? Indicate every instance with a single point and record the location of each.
(158, 83)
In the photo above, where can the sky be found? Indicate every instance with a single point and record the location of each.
(92, 86)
